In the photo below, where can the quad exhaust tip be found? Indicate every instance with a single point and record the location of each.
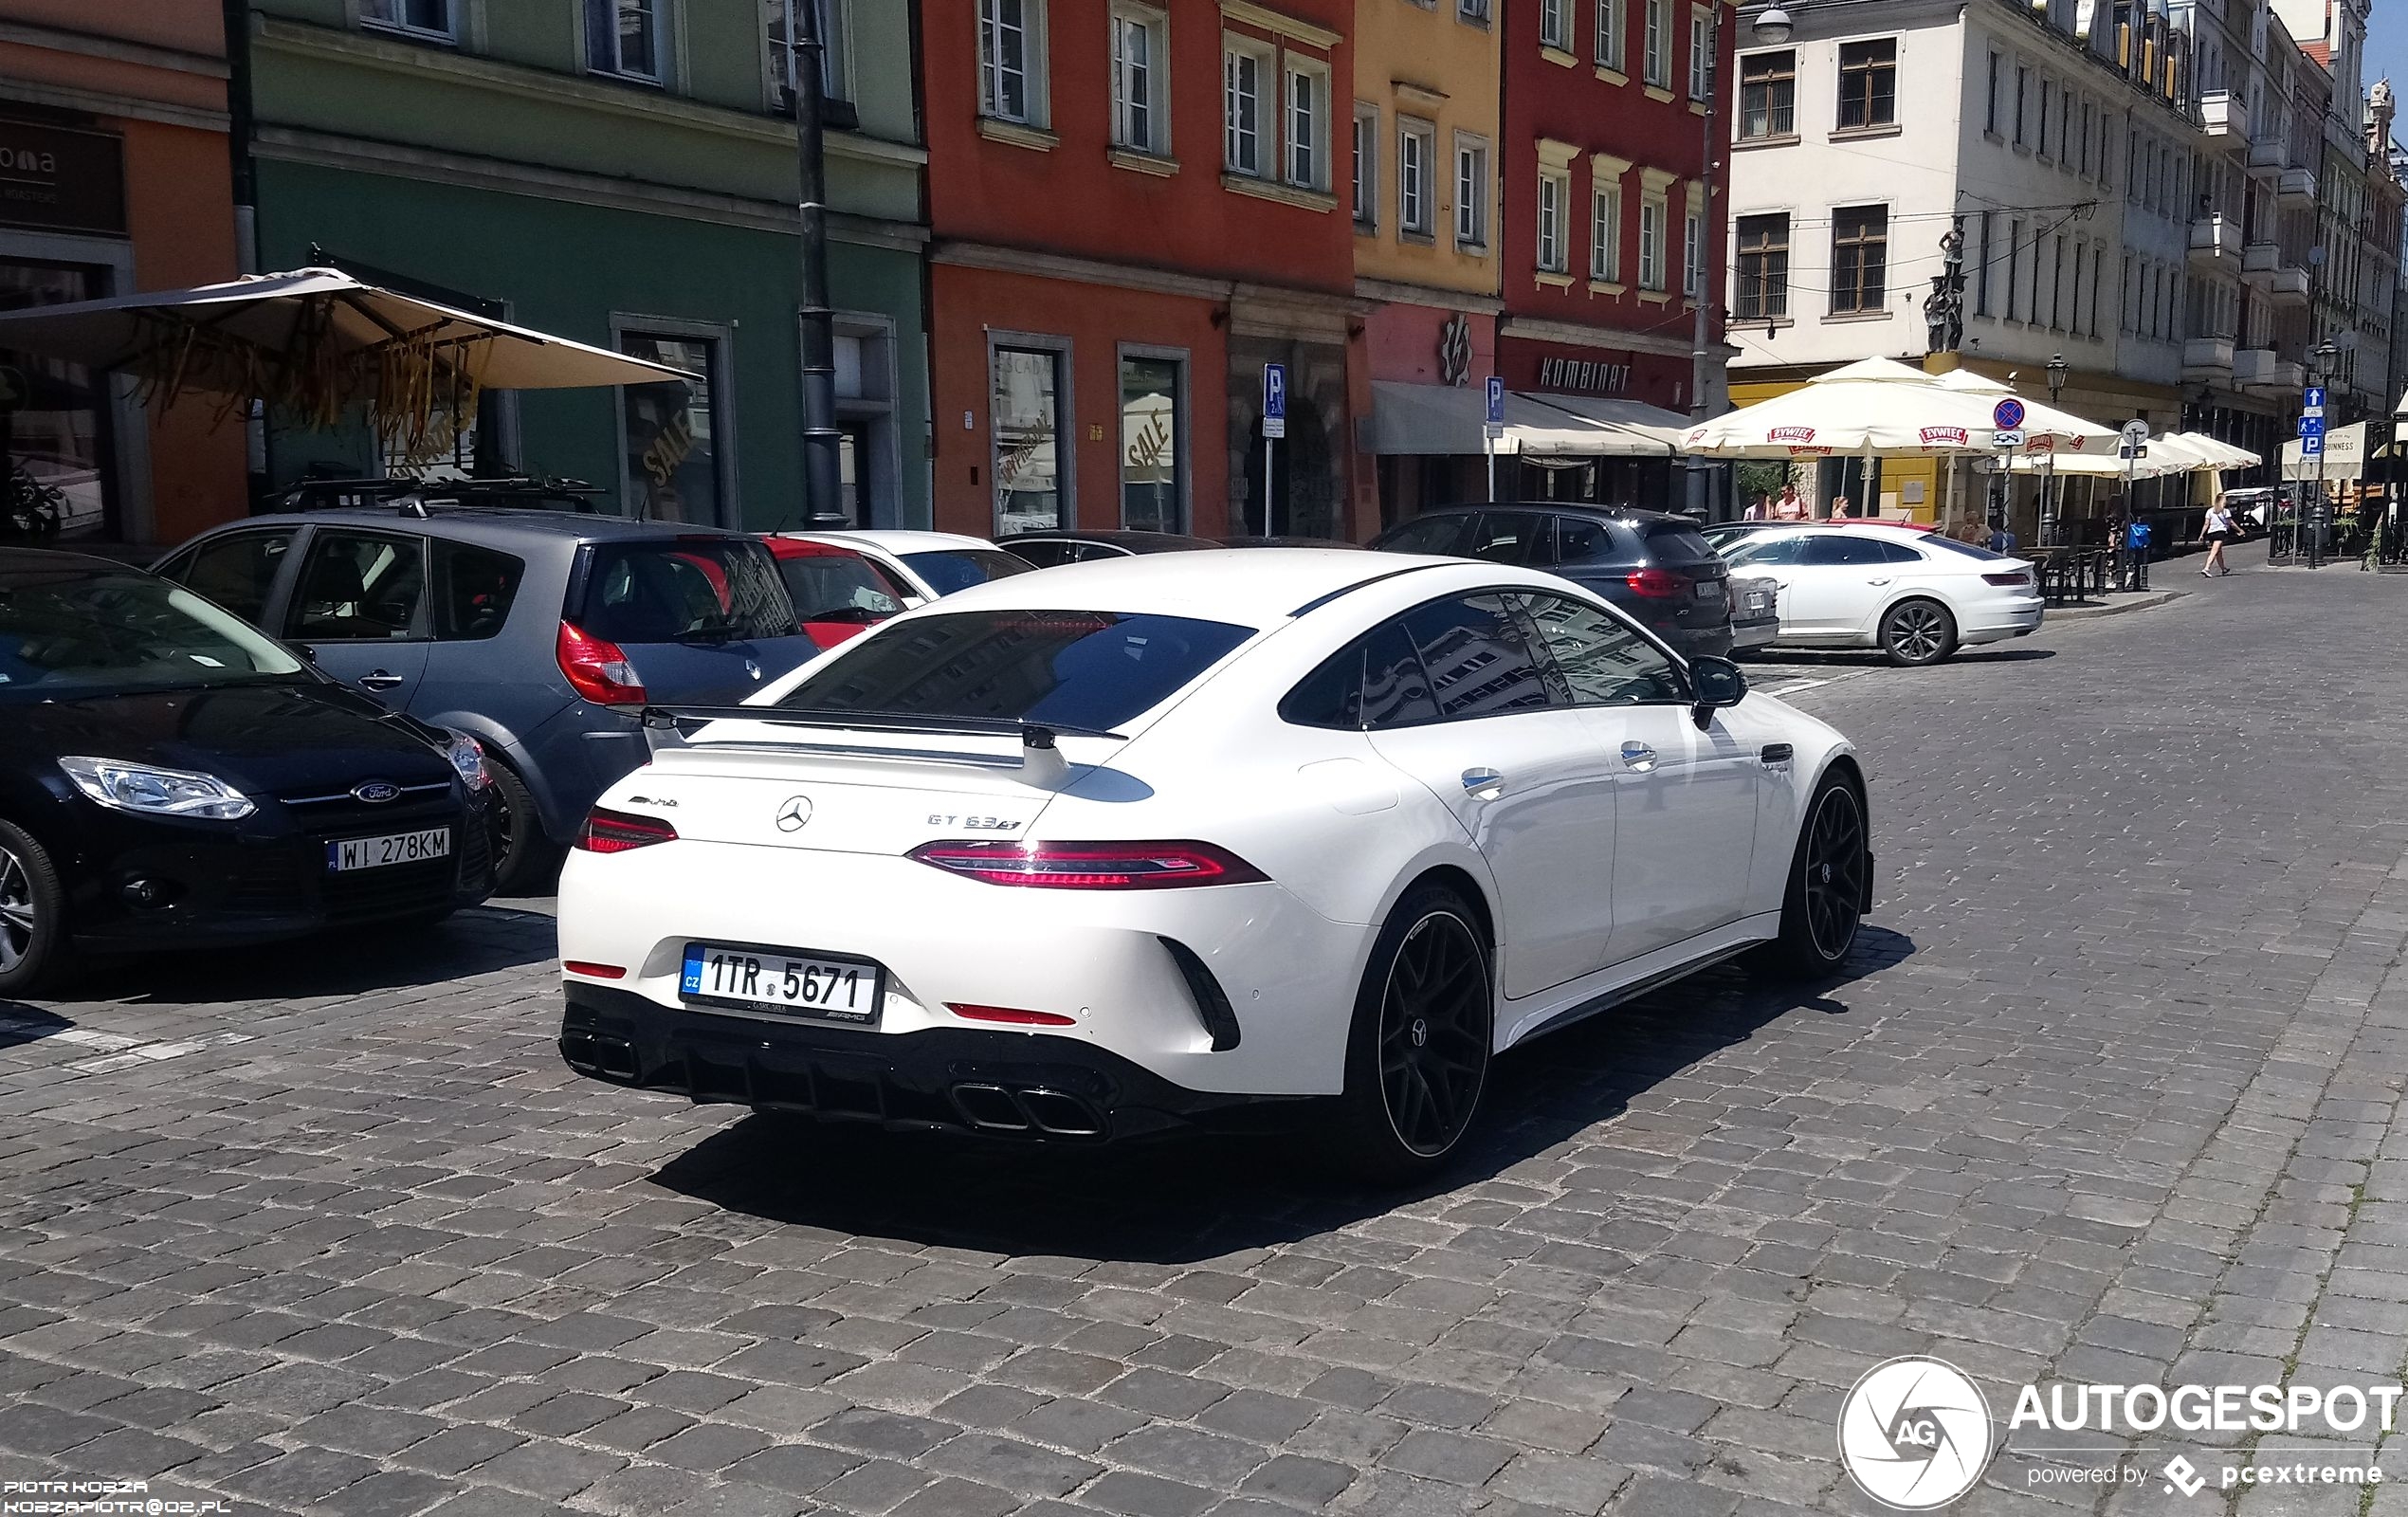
(1028, 1109)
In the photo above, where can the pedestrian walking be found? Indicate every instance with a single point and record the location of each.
(1789, 507)
(2220, 530)
(1759, 509)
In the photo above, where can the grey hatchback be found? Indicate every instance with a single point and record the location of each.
(539, 632)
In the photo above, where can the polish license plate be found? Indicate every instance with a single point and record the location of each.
(1710, 590)
(792, 983)
(393, 847)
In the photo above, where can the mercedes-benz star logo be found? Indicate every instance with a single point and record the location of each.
(792, 816)
(1915, 1433)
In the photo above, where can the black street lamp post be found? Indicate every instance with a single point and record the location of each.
(823, 440)
(2052, 523)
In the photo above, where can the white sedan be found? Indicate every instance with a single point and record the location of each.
(1159, 839)
(1916, 595)
(927, 564)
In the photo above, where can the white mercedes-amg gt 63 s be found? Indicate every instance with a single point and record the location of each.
(1203, 838)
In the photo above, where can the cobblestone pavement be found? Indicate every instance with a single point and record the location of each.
(2114, 1094)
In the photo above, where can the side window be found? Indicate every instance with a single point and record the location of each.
(1757, 551)
(358, 587)
(1044, 554)
(1897, 553)
(1504, 536)
(1577, 540)
(1478, 661)
(1376, 682)
(474, 587)
(1604, 661)
(236, 570)
(1833, 550)
(1442, 535)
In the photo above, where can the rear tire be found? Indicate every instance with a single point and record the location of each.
(524, 861)
(1823, 907)
(1916, 632)
(34, 946)
(1417, 1054)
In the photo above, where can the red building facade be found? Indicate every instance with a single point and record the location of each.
(1615, 212)
(1133, 209)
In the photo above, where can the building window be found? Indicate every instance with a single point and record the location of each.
(2022, 96)
(1859, 259)
(423, 18)
(1768, 95)
(1366, 165)
(1764, 268)
(1869, 83)
(2014, 270)
(1030, 447)
(673, 470)
(1140, 80)
(1605, 233)
(1692, 252)
(1990, 107)
(1471, 192)
(1308, 127)
(1473, 10)
(1614, 25)
(1555, 189)
(1658, 44)
(1242, 110)
(1554, 31)
(1416, 150)
(784, 57)
(2047, 97)
(1981, 274)
(1006, 30)
(1701, 55)
(1653, 214)
(623, 37)
(1153, 472)
(2082, 155)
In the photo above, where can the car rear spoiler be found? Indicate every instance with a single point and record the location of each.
(1041, 759)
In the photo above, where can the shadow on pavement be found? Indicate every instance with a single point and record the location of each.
(1765, 663)
(1195, 1198)
(346, 961)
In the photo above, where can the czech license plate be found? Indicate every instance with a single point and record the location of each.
(810, 986)
(393, 847)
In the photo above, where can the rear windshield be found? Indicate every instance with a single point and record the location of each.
(1935, 539)
(668, 589)
(1675, 543)
(833, 586)
(1080, 668)
(950, 569)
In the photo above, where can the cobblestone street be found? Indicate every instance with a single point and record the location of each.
(2114, 1094)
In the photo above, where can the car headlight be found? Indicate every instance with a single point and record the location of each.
(149, 791)
(468, 755)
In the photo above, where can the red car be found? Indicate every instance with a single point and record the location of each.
(837, 593)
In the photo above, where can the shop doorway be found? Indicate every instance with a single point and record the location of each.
(59, 425)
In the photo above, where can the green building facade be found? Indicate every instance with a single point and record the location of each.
(622, 173)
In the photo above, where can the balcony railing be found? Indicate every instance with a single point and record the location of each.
(2296, 183)
(2251, 366)
(2258, 263)
(2215, 237)
(2207, 358)
(2290, 284)
(2226, 116)
(2267, 154)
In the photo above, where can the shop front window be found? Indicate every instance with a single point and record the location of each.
(55, 417)
(1027, 423)
(1153, 493)
(672, 467)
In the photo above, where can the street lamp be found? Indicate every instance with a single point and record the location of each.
(2322, 361)
(1773, 26)
(2058, 369)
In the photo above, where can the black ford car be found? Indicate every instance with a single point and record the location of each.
(170, 778)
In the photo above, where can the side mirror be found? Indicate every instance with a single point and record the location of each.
(1714, 683)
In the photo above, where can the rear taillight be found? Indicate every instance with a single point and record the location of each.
(2015, 580)
(1091, 865)
(617, 831)
(1659, 584)
(596, 670)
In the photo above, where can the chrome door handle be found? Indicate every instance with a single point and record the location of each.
(1638, 755)
(379, 680)
(1482, 785)
(1882, 581)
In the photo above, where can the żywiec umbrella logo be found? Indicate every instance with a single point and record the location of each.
(1946, 437)
(1914, 1434)
(1790, 434)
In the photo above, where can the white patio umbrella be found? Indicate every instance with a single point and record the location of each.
(2223, 454)
(313, 342)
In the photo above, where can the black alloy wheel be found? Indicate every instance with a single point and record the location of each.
(33, 923)
(1916, 632)
(1434, 1033)
(1417, 1056)
(1824, 905)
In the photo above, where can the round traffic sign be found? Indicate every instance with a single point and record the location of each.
(2008, 412)
(2136, 432)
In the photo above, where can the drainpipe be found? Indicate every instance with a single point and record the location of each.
(823, 472)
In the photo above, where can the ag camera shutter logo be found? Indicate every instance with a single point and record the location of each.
(1915, 1433)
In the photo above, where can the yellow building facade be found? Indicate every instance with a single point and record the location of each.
(1426, 207)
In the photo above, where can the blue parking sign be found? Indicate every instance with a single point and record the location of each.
(2311, 447)
(1496, 401)
(1274, 400)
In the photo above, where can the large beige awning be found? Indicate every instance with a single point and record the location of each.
(2345, 456)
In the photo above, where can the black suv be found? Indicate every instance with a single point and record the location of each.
(1651, 564)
